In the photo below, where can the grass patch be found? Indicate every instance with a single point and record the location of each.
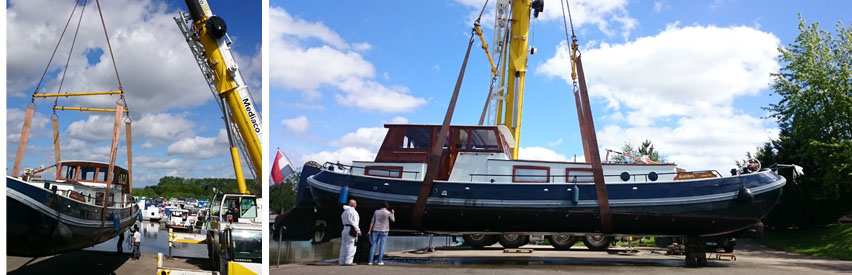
(833, 241)
(644, 242)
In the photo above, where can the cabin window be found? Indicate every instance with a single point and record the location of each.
(461, 141)
(88, 173)
(483, 139)
(119, 178)
(99, 198)
(417, 138)
(102, 174)
(530, 174)
(578, 175)
(384, 171)
(70, 172)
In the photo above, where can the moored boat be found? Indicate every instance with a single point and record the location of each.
(150, 210)
(45, 217)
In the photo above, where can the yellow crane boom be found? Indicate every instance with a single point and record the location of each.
(207, 37)
(510, 104)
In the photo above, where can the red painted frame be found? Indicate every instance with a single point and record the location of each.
(383, 168)
(515, 173)
(568, 178)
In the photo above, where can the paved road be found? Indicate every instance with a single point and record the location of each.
(752, 258)
(95, 262)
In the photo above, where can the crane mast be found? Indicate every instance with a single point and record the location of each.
(512, 63)
(209, 42)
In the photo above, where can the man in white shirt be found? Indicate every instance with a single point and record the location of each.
(137, 240)
(350, 220)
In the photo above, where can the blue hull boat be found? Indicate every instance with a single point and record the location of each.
(46, 217)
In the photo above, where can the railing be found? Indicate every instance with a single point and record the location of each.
(331, 166)
(552, 178)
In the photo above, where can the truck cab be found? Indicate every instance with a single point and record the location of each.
(235, 234)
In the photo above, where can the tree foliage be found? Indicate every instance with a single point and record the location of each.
(177, 187)
(283, 195)
(645, 149)
(815, 118)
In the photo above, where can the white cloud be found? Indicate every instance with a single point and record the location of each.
(344, 155)
(680, 71)
(201, 147)
(658, 6)
(336, 63)
(555, 143)
(298, 125)
(367, 138)
(159, 163)
(15, 122)
(677, 89)
(149, 51)
(710, 141)
(164, 126)
(398, 120)
(371, 95)
(541, 153)
(95, 128)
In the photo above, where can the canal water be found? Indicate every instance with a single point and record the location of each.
(300, 252)
(155, 239)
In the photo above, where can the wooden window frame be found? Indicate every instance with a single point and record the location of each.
(383, 168)
(568, 178)
(515, 173)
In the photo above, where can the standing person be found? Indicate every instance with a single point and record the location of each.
(350, 220)
(120, 245)
(379, 227)
(137, 240)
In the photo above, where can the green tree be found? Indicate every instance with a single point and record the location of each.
(645, 149)
(815, 118)
(177, 187)
(283, 195)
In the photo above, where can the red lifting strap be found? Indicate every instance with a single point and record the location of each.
(593, 155)
(437, 148)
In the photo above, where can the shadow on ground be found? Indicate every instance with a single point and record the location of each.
(78, 262)
(98, 262)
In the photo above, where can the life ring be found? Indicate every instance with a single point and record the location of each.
(753, 165)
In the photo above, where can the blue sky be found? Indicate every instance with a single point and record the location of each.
(177, 125)
(691, 76)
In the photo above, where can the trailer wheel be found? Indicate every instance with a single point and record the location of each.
(597, 242)
(562, 241)
(478, 241)
(511, 240)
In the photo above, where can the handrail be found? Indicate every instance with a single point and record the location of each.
(346, 167)
(554, 177)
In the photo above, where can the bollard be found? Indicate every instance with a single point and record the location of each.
(280, 239)
(171, 238)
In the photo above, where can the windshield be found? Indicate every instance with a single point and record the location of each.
(247, 245)
(248, 208)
